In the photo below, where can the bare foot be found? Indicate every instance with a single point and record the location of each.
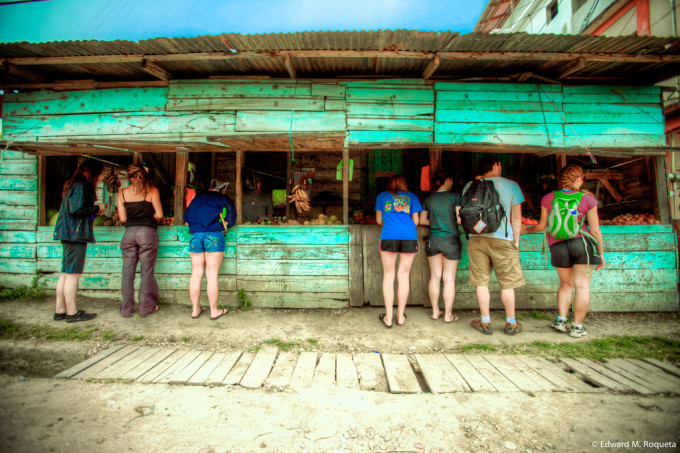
(451, 318)
(436, 316)
(196, 313)
(403, 320)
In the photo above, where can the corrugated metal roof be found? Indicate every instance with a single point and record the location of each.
(324, 66)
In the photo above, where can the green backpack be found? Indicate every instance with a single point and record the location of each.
(563, 220)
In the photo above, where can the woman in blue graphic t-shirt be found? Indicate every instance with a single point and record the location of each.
(397, 211)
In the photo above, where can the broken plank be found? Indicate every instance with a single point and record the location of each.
(176, 367)
(206, 369)
(304, 370)
(473, 378)
(102, 364)
(181, 377)
(282, 372)
(513, 373)
(222, 369)
(440, 375)
(540, 383)
(346, 371)
(634, 374)
(617, 376)
(400, 375)
(560, 378)
(370, 372)
(139, 370)
(259, 368)
(324, 375)
(69, 373)
(495, 377)
(237, 372)
(667, 382)
(594, 376)
(667, 367)
(161, 366)
(118, 369)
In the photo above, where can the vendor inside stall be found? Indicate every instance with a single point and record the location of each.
(257, 203)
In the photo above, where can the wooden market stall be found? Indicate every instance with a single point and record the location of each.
(352, 132)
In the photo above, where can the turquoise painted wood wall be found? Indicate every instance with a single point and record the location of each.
(398, 111)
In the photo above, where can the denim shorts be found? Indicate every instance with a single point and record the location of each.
(73, 257)
(209, 242)
(449, 246)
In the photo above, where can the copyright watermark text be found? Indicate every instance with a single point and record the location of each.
(633, 444)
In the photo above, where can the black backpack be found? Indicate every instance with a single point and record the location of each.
(481, 210)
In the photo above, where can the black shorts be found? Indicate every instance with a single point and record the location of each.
(449, 246)
(73, 257)
(399, 246)
(565, 254)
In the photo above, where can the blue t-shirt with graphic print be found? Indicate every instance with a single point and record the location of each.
(396, 214)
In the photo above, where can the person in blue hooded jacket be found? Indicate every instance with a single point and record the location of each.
(74, 228)
(205, 217)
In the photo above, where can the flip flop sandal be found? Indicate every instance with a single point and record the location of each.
(381, 317)
(402, 322)
(224, 312)
(455, 318)
(199, 314)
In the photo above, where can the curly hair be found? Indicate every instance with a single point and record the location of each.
(140, 179)
(90, 170)
(397, 183)
(569, 176)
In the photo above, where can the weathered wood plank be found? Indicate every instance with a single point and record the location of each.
(396, 136)
(106, 362)
(177, 367)
(17, 266)
(18, 225)
(594, 376)
(614, 129)
(667, 367)
(612, 98)
(17, 237)
(109, 250)
(237, 372)
(293, 267)
(390, 124)
(370, 372)
(492, 374)
(259, 368)
(121, 367)
(608, 89)
(506, 128)
(389, 93)
(620, 109)
(613, 141)
(9, 155)
(162, 366)
(473, 378)
(181, 377)
(97, 265)
(8, 212)
(237, 103)
(222, 369)
(69, 373)
(290, 121)
(346, 371)
(304, 370)
(615, 374)
(506, 139)
(202, 374)
(381, 109)
(540, 383)
(670, 383)
(638, 374)
(228, 88)
(292, 252)
(512, 96)
(356, 267)
(399, 373)
(18, 183)
(293, 284)
(496, 106)
(19, 198)
(444, 118)
(386, 83)
(326, 235)
(142, 368)
(335, 104)
(328, 89)
(561, 380)
(490, 87)
(17, 251)
(113, 281)
(436, 371)
(515, 375)
(283, 369)
(295, 300)
(324, 375)
(22, 168)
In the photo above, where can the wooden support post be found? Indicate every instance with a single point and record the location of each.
(213, 159)
(181, 166)
(345, 186)
(42, 188)
(137, 158)
(561, 163)
(289, 175)
(662, 198)
(239, 187)
(435, 160)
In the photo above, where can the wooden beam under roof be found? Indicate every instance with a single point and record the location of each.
(431, 67)
(156, 70)
(289, 66)
(24, 73)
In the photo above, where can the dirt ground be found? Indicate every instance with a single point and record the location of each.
(39, 413)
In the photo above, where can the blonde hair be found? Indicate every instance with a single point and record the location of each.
(140, 179)
(569, 176)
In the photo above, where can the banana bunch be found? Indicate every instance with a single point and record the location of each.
(112, 182)
(301, 199)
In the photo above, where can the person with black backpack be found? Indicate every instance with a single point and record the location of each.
(491, 215)
(575, 248)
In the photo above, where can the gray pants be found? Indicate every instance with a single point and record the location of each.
(139, 244)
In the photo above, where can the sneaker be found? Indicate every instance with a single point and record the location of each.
(578, 333)
(559, 325)
(512, 329)
(486, 329)
(80, 316)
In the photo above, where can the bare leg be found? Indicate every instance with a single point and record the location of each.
(389, 261)
(565, 290)
(449, 277)
(61, 304)
(404, 285)
(434, 284)
(508, 299)
(582, 295)
(197, 266)
(70, 291)
(484, 300)
(213, 261)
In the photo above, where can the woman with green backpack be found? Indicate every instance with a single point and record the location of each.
(575, 248)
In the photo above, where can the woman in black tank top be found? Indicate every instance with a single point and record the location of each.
(139, 206)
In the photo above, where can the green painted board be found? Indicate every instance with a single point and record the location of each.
(506, 87)
(627, 229)
(165, 282)
(379, 82)
(328, 235)
(335, 104)
(19, 198)
(390, 137)
(294, 252)
(90, 101)
(221, 104)
(621, 109)
(293, 268)
(275, 121)
(613, 141)
(328, 89)
(211, 89)
(615, 118)
(21, 225)
(116, 124)
(17, 266)
(9, 155)
(18, 237)
(170, 234)
(377, 124)
(489, 116)
(407, 110)
(616, 242)
(115, 266)
(17, 250)
(497, 139)
(12, 183)
(17, 168)
(8, 212)
(112, 250)
(512, 96)
(607, 89)
(300, 300)
(296, 284)
(615, 129)
(613, 98)
(482, 128)
(390, 94)
(498, 106)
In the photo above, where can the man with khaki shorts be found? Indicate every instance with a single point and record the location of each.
(497, 251)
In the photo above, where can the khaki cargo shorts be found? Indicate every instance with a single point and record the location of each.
(500, 255)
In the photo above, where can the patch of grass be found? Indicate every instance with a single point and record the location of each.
(535, 314)
(476, 348)
(313, 341)
(8, 329)
(283, 345)
(22, 293)
(186, 339)
(255, 348)
(243, 301)
(137, 338)
(107, 335)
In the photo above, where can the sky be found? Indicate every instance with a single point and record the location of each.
(134, 20)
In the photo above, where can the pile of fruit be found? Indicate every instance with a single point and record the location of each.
(528, 221)
(324, 220)
(632, 219)
(166, 221)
